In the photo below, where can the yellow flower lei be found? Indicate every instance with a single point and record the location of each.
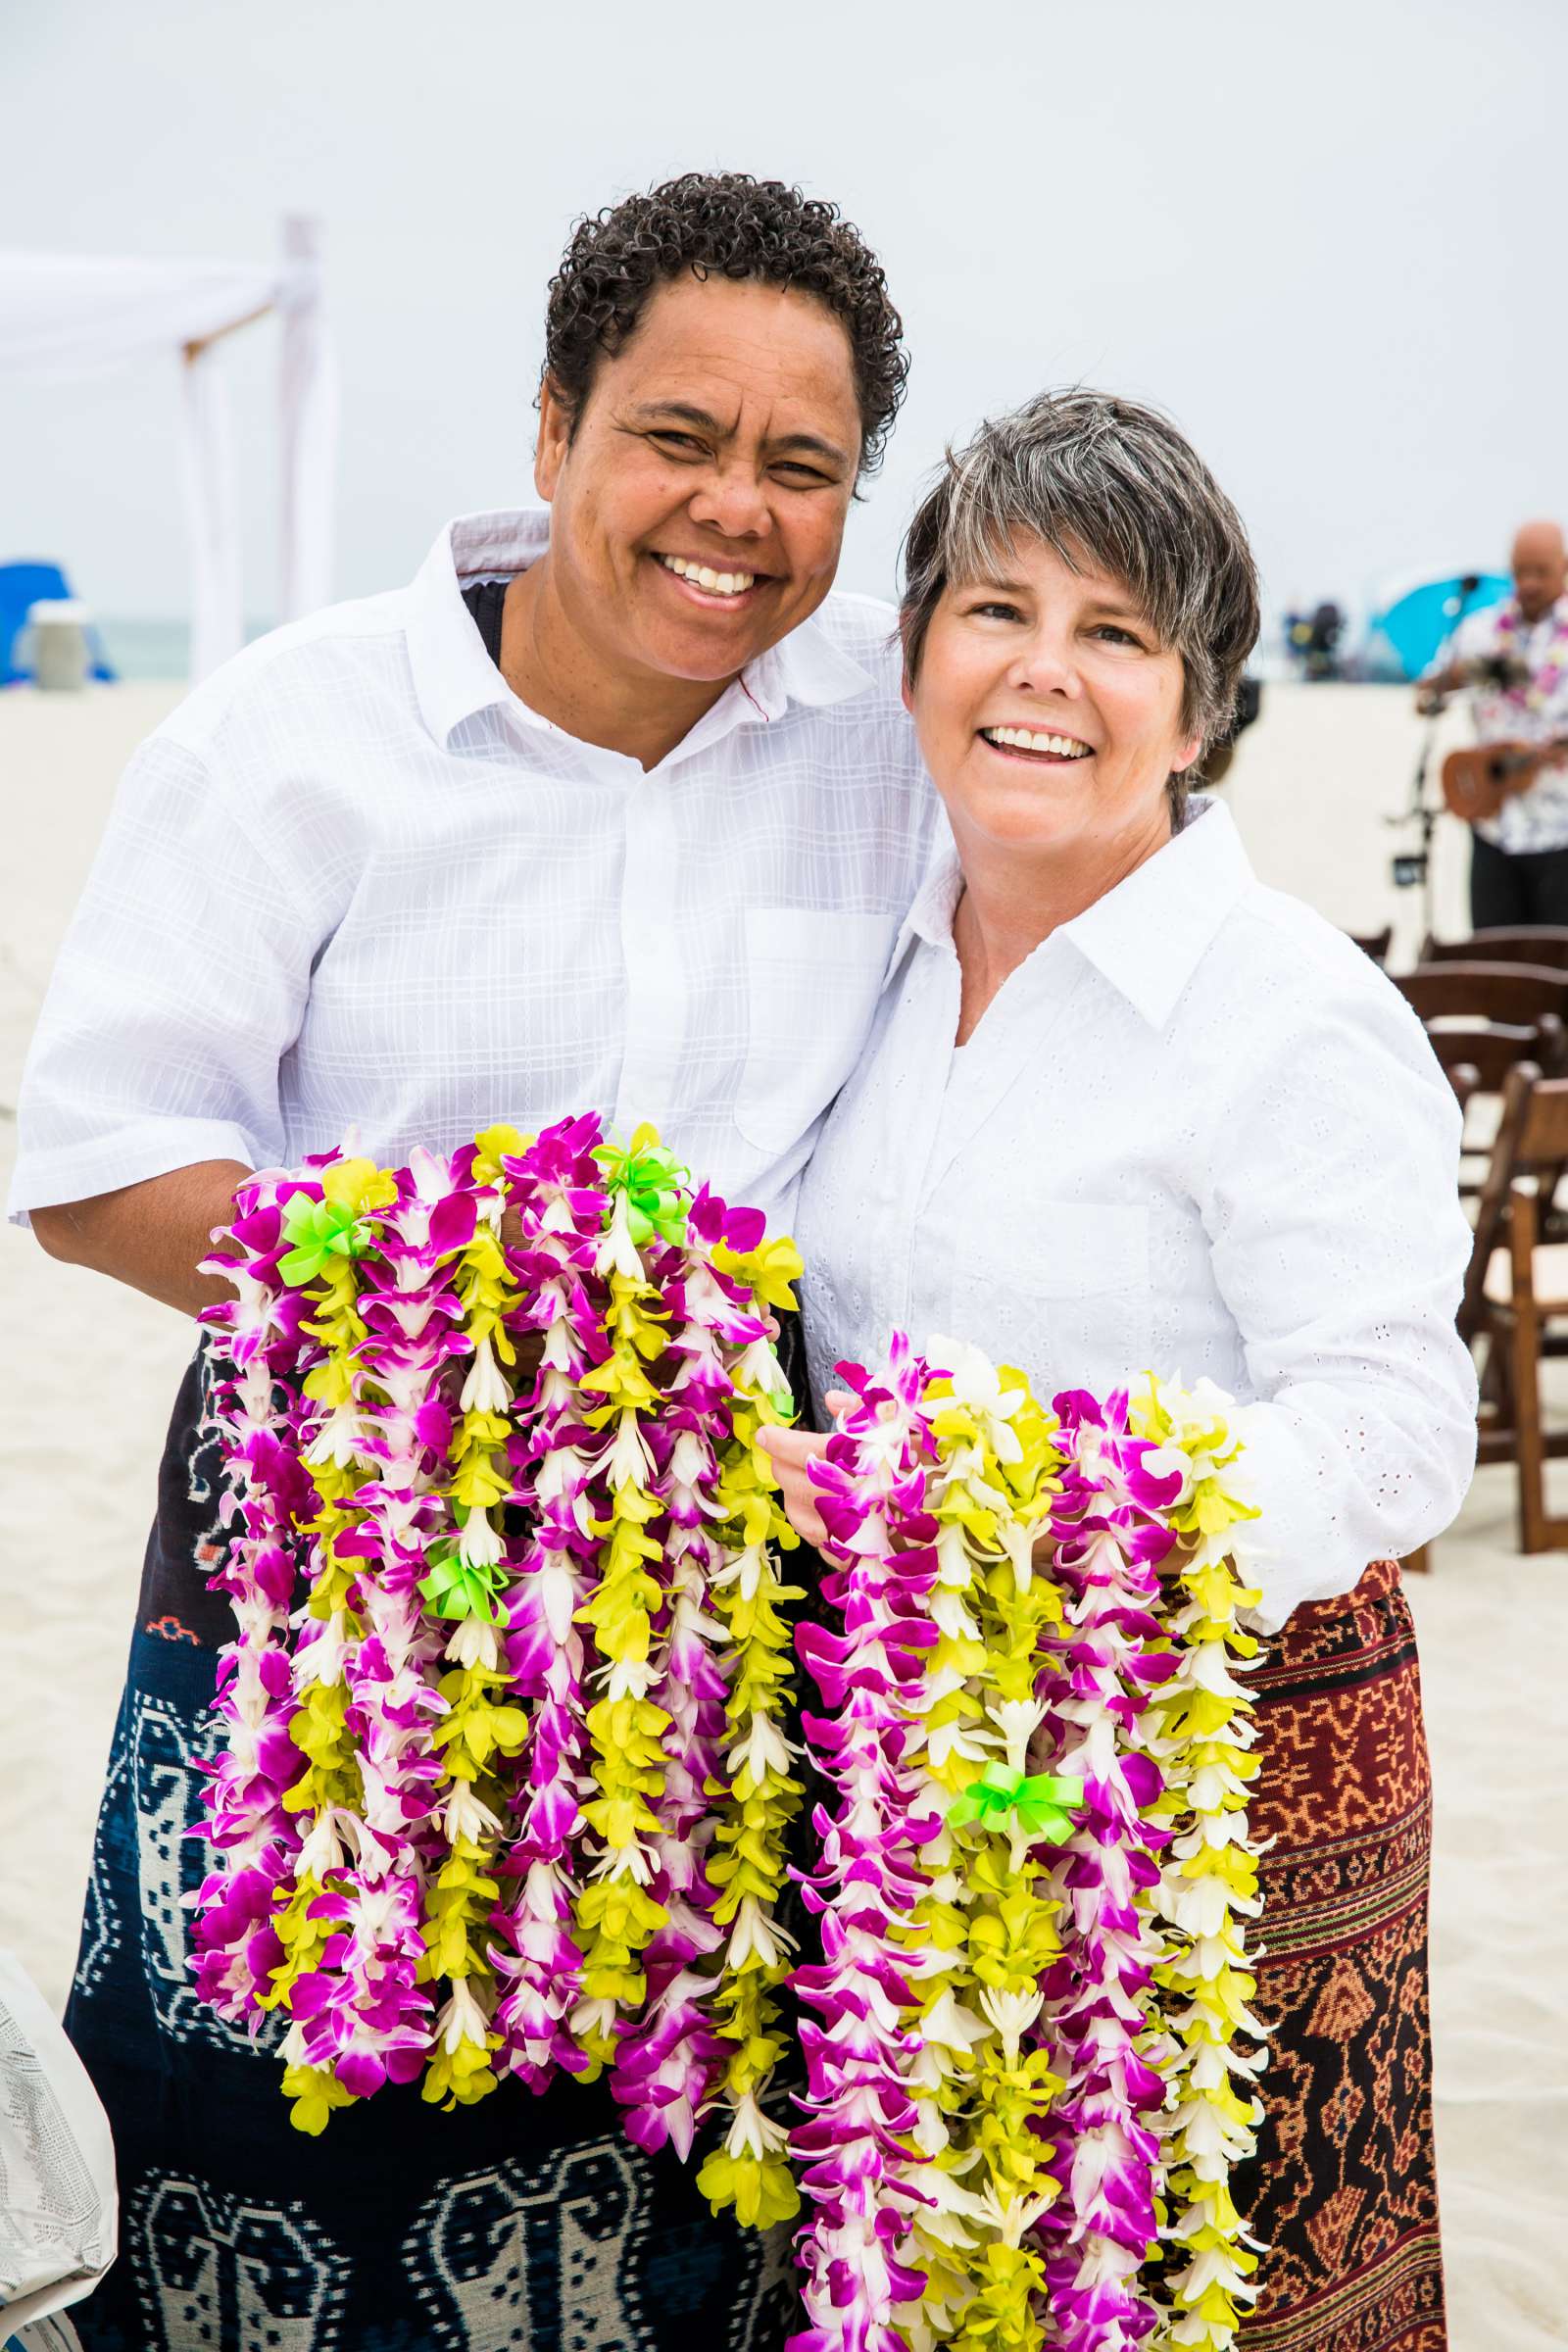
(749, 2170)
(1204, 1744)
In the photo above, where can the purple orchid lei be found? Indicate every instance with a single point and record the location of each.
(1109, 1541)
(481, 1808)
(504, 1779)
(268, 1499)
(559, 1213)
(1001, 2161)
(669, 2061)
(862, 2168)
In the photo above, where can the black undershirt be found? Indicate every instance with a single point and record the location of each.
(485, 601)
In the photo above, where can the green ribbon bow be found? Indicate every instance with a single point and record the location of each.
(653, 1181)
(1038, 1803)
(321, 1230)
(456, 1588)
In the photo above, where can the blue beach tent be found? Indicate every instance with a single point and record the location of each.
(1415, 625)
(21, 586)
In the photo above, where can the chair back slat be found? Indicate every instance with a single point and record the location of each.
(1491, 1048)
(1543, 1138)
(1516, 993)
(1538, 944)
(1375, 944)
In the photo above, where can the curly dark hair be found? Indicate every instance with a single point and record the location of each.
(730, 225)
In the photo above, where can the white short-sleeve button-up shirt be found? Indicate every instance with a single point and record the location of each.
(354, 883)
(1197, 1132)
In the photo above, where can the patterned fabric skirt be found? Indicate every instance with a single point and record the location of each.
(1345, 2187)
(531, 2225)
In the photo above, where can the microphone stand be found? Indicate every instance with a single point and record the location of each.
(1421, 814)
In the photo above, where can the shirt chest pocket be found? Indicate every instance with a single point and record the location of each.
(1058, 1287)
(812, 981)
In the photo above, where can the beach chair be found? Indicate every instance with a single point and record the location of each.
(21, 586)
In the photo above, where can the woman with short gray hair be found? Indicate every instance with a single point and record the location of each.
(1124, 1107)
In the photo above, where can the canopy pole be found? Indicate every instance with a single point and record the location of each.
(307, 426)
(212, 513)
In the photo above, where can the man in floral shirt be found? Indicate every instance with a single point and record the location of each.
(1519, 858)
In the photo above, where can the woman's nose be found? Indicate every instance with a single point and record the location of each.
(1045, 666)
(733, 503)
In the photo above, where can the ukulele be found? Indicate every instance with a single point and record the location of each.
(1478, 780)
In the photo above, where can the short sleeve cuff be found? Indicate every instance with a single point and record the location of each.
(44, 1178)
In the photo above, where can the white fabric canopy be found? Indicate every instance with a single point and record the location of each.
(66, 316)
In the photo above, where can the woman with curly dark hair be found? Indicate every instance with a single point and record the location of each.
(613, 808)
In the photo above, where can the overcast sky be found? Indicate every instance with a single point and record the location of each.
(1329, 238)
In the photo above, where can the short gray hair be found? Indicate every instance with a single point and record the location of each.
(1107, 482)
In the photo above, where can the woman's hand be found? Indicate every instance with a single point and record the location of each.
(791, 1449)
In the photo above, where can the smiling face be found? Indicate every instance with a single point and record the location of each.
(1050, 714)
(698, 507)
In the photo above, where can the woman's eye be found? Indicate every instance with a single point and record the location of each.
(687, 444)
(1115, 634)
(804, 478)
(995, 609)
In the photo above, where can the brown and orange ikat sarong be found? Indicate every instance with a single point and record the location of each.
(1343, 2188)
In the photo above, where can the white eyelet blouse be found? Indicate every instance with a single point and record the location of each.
(1198, 1133)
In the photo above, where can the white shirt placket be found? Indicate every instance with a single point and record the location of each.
(652, 950)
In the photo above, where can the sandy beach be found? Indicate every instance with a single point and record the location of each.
(89, 1371)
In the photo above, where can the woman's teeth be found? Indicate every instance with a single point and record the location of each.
(1019, 739)
(717, 583)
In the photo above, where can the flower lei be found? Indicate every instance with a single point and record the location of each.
(506, 1782)
(496, 1801)
(1540, 692)
(1020, 2119)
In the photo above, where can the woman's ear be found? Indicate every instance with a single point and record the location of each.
(555, 439)
(906, 690)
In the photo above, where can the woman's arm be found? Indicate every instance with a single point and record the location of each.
(152, 1235)
(1339, 1248)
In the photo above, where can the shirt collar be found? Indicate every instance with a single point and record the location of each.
(1147, 936)
(453, 676)
(805, 666)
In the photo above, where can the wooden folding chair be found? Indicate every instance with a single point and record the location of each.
(1516, 1290)
(1538, 944)
(1477, 1056)
(1375, 944)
